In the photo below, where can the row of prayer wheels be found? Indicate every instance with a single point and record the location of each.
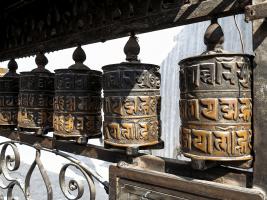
(215, 104)
(68, 102)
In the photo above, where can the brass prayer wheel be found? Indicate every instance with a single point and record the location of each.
(9, 90)
(77, 102)
(36, 98)
(3, 71)
(215, 105)
(131, 101)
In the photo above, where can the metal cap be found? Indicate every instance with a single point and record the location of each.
(132, 49)
(79, 57)
(214, 37)
(41, 61)
(12, 67)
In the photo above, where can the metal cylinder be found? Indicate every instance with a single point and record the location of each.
(131, 101)
(215, 105)
(3, 71)
(77, 102)
(9, 90)
(36, 98)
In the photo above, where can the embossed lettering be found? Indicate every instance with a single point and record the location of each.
(242, 146)
(143, 131)
(207, 73)
(127, 130)
(222, 141)
(211, 110)
(245, 109)
(229, 75)
(203, 140)
(130, 105)
(193, 109)
(144, 105)
(229, 108)
(243, 74)
(186, 138)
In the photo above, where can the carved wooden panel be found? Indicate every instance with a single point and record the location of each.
(132, 183)
(54, 25)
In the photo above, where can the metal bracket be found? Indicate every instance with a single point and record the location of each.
(257, 11)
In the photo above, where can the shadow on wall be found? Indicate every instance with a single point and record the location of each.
(189, 42)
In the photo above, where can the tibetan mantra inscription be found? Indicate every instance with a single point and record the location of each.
(216, 107)
(36, 101)
(77, 104)
(131, 104)
(9, 89)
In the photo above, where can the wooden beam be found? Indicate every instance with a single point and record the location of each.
(24, 32)
(218, 174)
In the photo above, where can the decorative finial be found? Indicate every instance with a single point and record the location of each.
(214, 36)
(12, 66)
(79, 57)
(132, 49)
(41, 61)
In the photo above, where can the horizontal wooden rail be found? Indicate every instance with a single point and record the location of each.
(219, 173)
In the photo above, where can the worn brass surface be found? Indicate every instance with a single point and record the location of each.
(216, 105)
(3, 71)
(9, 89)
(131, 101)
(36, 98)
(77, 102)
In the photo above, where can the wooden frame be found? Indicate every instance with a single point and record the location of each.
(172, 15)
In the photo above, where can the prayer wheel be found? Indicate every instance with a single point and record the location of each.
(216, 105)
(131, 101)
(77, 102)
(9, 90)
(3, 71)
(36, 98)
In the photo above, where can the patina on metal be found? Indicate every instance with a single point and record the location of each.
(216, 105)
(77, 102)
(9, 90)
(36, 98)
(131, 101)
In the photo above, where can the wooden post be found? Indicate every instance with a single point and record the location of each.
(260, 101)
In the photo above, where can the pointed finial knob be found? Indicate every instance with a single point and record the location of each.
(41, 61)
(132, 49)
(214, 36)
(79, 57)
(12, 66)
